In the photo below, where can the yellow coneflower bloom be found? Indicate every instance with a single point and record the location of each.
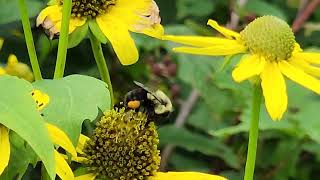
(124, 146)
(271, 53)
(115, 18)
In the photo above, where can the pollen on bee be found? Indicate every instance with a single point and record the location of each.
(134, 104)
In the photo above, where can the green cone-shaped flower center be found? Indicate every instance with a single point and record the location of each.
(89, 8)
(123, 146)
(270, 37)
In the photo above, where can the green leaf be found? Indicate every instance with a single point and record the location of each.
(262, 8)
(286, 125)
(10, 10)
(195, 142)
(96, 31)
(73, 99)
(194, 8)
(18, 112)
(181, 162)
(77, 36)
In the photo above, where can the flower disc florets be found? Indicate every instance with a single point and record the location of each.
(270, 37)
(122, 147)
(89, 8)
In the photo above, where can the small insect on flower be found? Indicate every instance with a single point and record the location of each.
(156, 104)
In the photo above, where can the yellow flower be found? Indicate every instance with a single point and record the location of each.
(157, 176)
(124, 146)
(271, 53)
(16, 68)
(115, 19)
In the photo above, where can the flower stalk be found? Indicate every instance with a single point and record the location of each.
(253, 132)
(101, 63)
(63, 40)
(29, 40)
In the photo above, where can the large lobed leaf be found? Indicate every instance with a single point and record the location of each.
(73, 99)
(18, 112)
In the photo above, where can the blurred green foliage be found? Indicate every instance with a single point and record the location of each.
(214, 137)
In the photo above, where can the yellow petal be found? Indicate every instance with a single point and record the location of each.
(185, 176)
(274, 90)
(54, 15)
(12, 60)
(155, 31)
(313, 58)
(61, 139)
(2, 71)
(4, 148)
(86, 177)
(299, 76)
(249, 66)
(42, 99)
(227, 49)
(305, 66)
(1, 43)
(128, 12)
(63, 169)
(199, 41)
(82, 141)
(120, 39)
(226, 32)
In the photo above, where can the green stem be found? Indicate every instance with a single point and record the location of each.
(63, 40)
(29, 40)
(101, 63)
(253, 133)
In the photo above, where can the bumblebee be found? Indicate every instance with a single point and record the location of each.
(156, 104)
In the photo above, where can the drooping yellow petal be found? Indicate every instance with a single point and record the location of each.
(89, 176)
(1, 43)
(227, 49)
(274, 90)
(60, 138)
(226, 32)
(249, 66)
(119, 37)
(54, 15)
(313, 58)
(305, 66)
(199, 41)
(63, 169)
(82, 141)
(4, 148)
(185, 176)
(299, 76)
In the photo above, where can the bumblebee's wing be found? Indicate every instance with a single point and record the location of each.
(143, 86)
(147, 89)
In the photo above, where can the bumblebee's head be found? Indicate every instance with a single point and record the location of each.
(162, 103)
